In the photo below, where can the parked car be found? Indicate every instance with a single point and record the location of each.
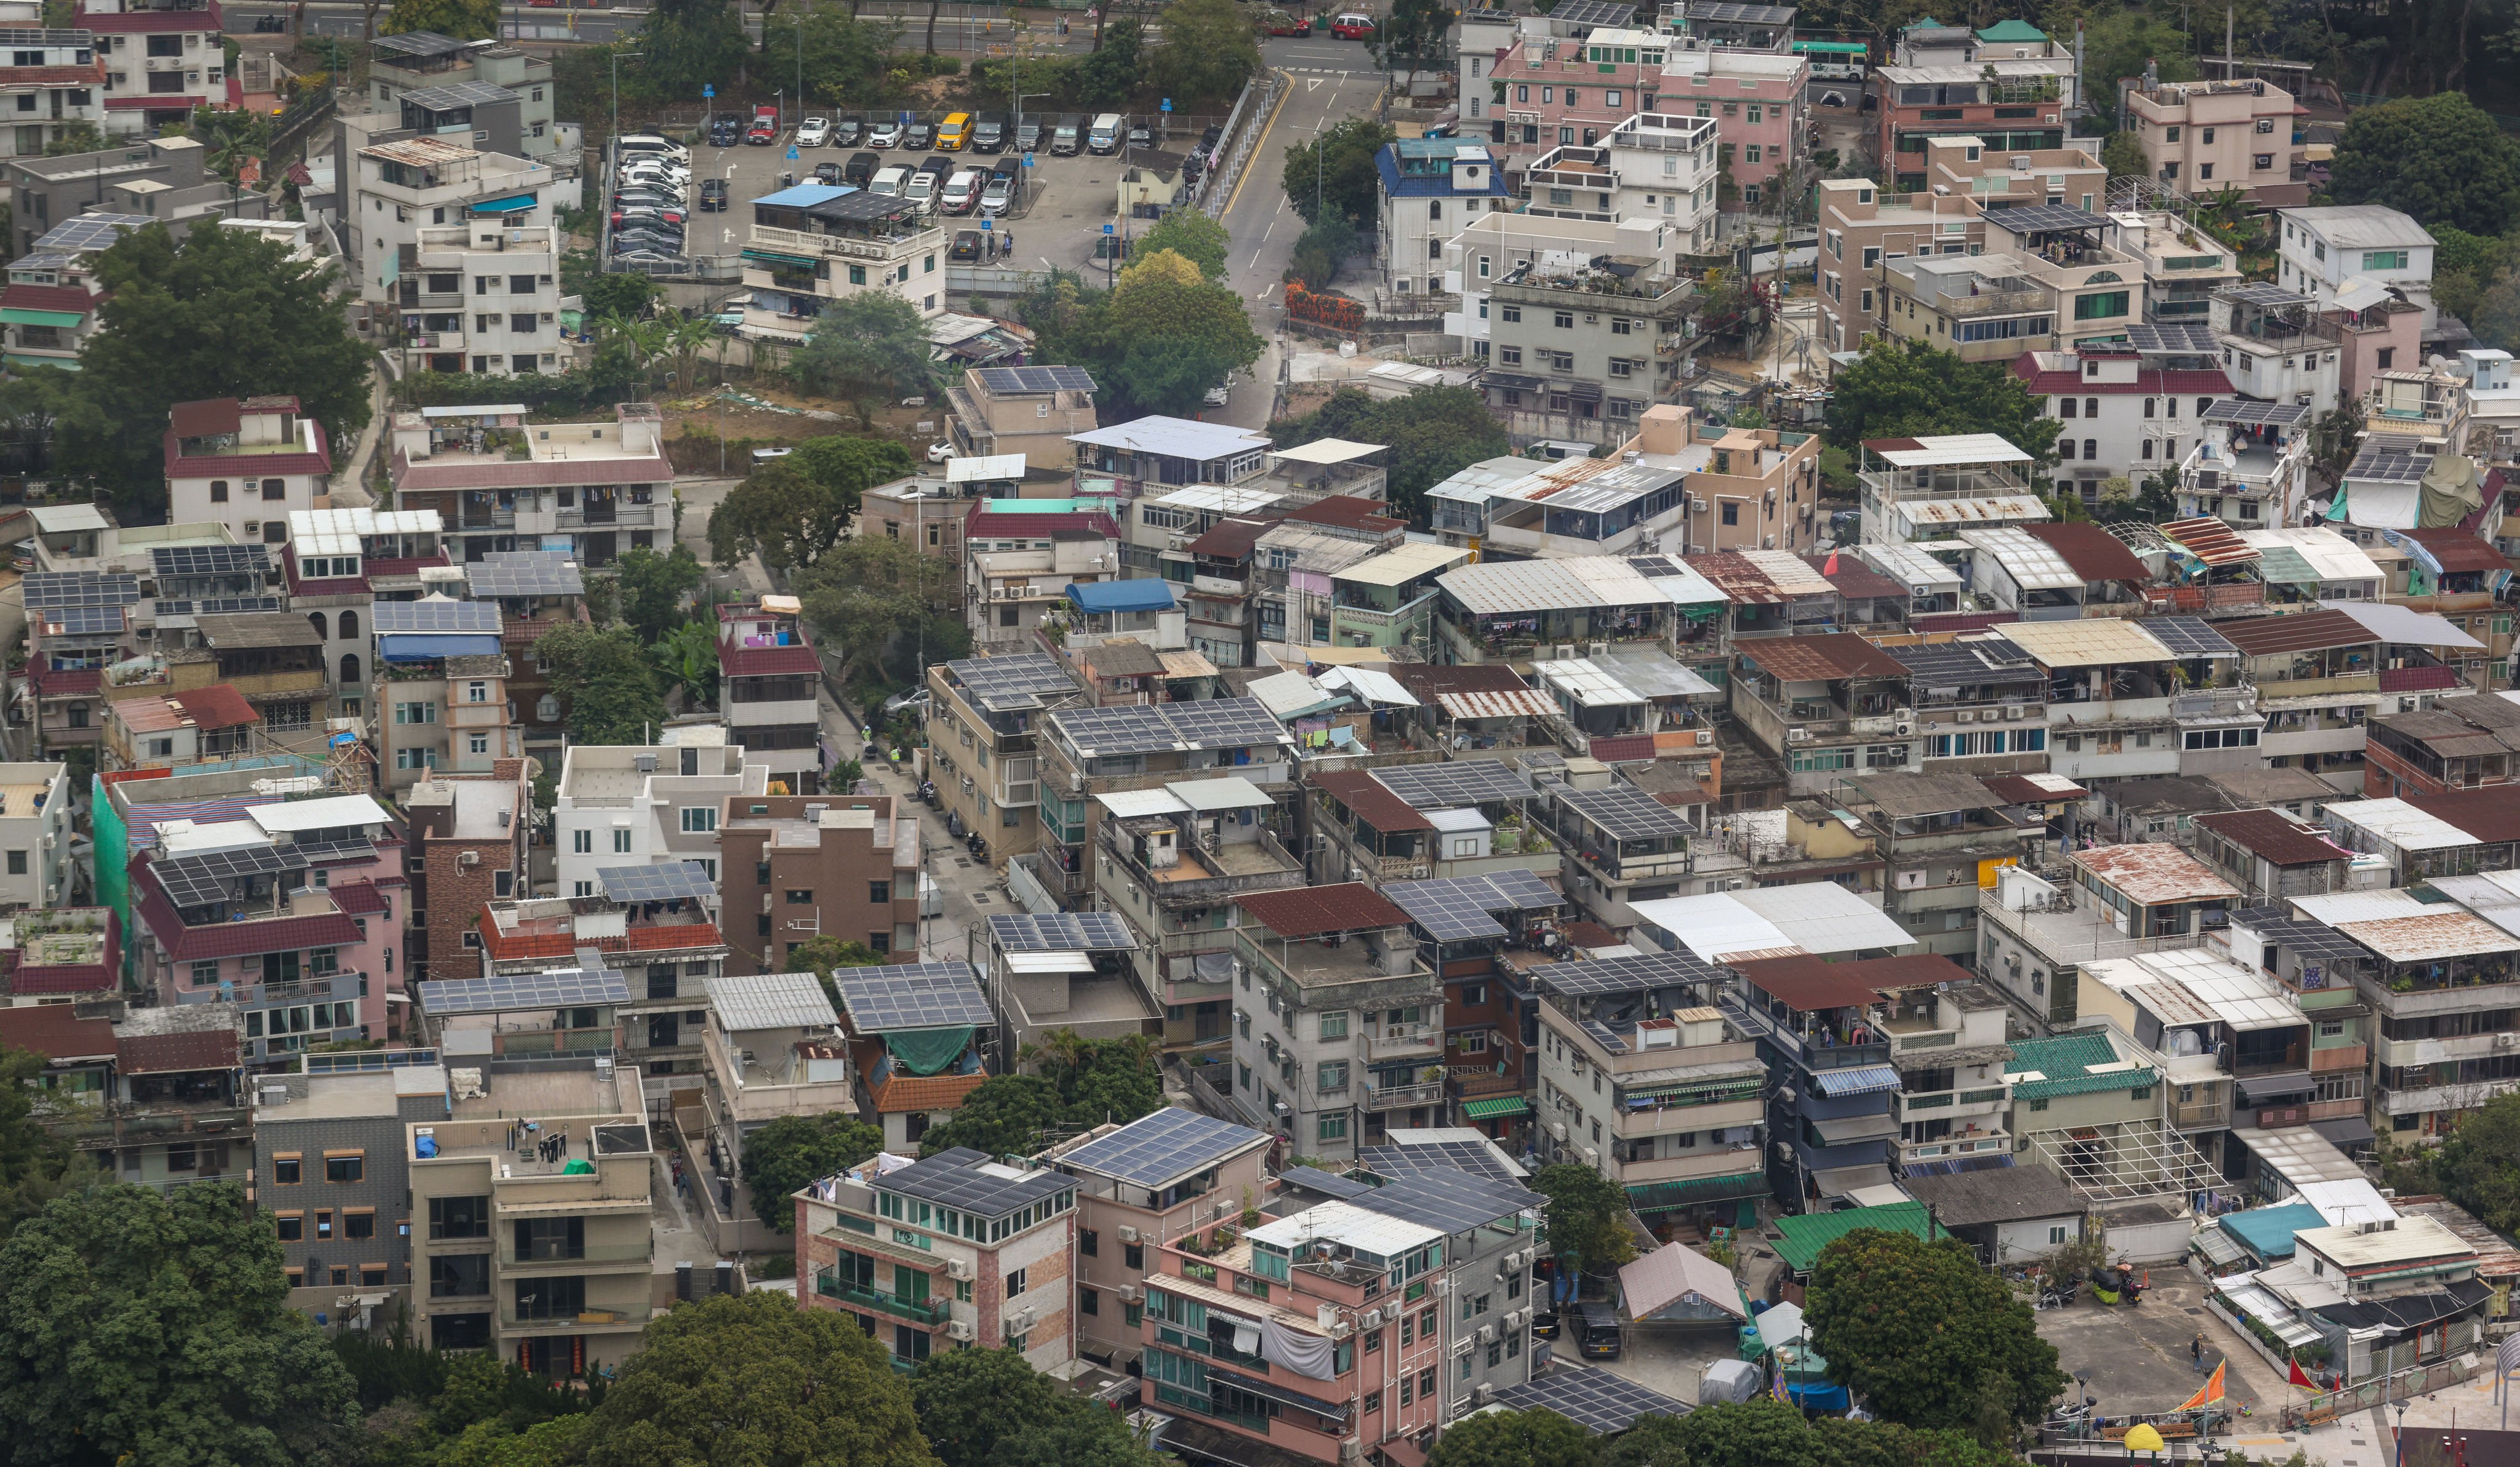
(861, 167)
(920, 190)
(826, 173)
(1280, 22)
(725, 132)
(848, 131)
(937, 165)
(764, 130)
(1028, 135)
(1193, 165)
(883, 135)
(1067, 137)
(999, 196)
(1103, 137)
(919, 136)
(938, 453)
(966, 245)
(813, 132)
(650, 143)
(1208, 140)
(1140, 135)
(960, 194)
(714, 196)
(989, 133)
(1352, 27)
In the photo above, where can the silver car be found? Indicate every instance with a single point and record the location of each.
(999, 196)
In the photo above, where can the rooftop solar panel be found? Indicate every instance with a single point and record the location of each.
(210, 560)
(913, 996)
(1596, 1400)
(1626, 813)
(1458, 908)
(52, 590)
(568, 989)
(1217, 724)
(434, 615)
(227, 606)
(84, 622)
(1327, 1183)
(956, 1179)
(1593, 13)
(1460, 781)
(1023, 681)
(2389, 466)
(1449, 1202)
(1751, 15)
(1036, 379)
(1060, 932)
(2181, 335)
(1395, 1161)
(1604, 1036)
(1158, 1150)
(2189, 637)
(660, 881)
(2258, 293)
(2315, 941)
(1625, 973)
(2252, 414)
(457, 93)
(2045, 218)
(91, 232)
(525, 573)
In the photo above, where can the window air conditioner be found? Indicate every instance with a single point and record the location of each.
(958, 1267)
(1129, 1293)
(959, 1329)
(1128, 1234)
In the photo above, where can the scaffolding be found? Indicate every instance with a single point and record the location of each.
(2125, 1162)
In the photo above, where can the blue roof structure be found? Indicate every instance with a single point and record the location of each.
(1422, 168)
(806, 194)
(1147, 594)
(2268, 1231)
(507, 205)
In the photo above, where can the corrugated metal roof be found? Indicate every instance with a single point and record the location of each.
(2154, 871)
(1803, 1237)
(2096, 642)
(1946, 450)
(2033, 564)
(2432, 937)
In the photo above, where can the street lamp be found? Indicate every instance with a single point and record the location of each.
(2401, 1441)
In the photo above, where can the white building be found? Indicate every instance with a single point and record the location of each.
(1661, 166)
(2128, 412)
(53, 82)
(36, 867)
(160, 62)
(625, 804)
(502, 315)
(1428, 186)
(816, 242)
(244, 464)
(2323, 248)
(397, 189)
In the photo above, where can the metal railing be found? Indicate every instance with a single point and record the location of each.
(593, 1253)
(922, 1310)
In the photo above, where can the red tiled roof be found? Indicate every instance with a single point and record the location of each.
(2183, 382)
(168, 1054)
(1853, 579)
(504, 946)
(2303, 632)
(1808, 983)
(1308, 911)
(149, 21)
(56, 1032)
(61, 681)
(217, 706)
(359, 897)
(207, 418)
(1348, 512)
(328, 929)
(2090, 552)
(1025, 526)
(1817, 659)
(1624, 749)
(182, 465)
(64, 978)
(379, 567)
(2274, 835)
(2491, 813)
(52, 76)
(540, 473)
(2419, 679)
(1231, 539)
(2458, 550)
(1371, 801)
(71, 299)
(901, 1094)
(766, 661)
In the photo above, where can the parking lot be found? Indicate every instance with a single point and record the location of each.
(1057, 221)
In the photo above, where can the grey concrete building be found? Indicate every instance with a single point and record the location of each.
(332, 1176)
(422, 61)
(158, 178)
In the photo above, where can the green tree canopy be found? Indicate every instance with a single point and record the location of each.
(1209, 51)
(1075, 1082)
(1193, 236)
(781, 513)
(652, 588)
(1768, 1433)
(2437, 158)
(990, 1408)
(754, 1379)
(36, 1164)
(605, 677)
(1115, 69)
(1536, 1437)
(1926, 1336)
(685, 45)
(2121, 42)
(2476, 1166)
(229, 314)
(845, 56)
(1587, 1216)
(1333, 173)
(865, 350)
(1412, 35)
(1432, 434)
(147, 1326)
(869, 592)
(792, 1151)
(848, 467)
(620, 294)
(464, 19)
(1912, 390)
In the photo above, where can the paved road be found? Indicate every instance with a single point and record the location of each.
(960, 27)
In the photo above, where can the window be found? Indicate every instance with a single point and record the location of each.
(698, 819)
(1331, 1076)
(291, 1227)
(323, 1223)
(287, 1169)
(1015, 1282)
(2384, 260)
(1333, 1128)
(2101, 306)
(457, 1217)
(797, 898)
(346, 1166)
(1333, 1025)
(621, 842)
(581, 842)
(359, 1223)
(1731, 513)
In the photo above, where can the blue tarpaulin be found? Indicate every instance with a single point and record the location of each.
(513, 203)
(1147, 593)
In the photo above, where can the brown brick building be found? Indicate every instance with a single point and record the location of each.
(795, 867)
(469, 841)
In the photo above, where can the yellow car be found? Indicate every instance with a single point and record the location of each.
(956, 134)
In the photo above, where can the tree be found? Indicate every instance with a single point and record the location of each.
(1910, 389)
(1768, 1433)
(781, 513)
(1430, 435)
(2494, 316)
(229, 314)
(1333, 174)
(845, 56)
(865, 350)
(462, 20)
(1162, 302)
(1005, 1115)
(1171, 378)
(2123, 155)
(1193, 236)
(75, 137)
(686, 659)
(35, 1166)
(2122, 43)
(793, 1151)
(1113, 72)
(848, 467)
(1209, 50)
(1078, 1083)
(1925, 1335)
(1587, 1216)
(1410, 35)
(652, 588)
(991, 1408)
(685, 45)
(1320, 249)
(1535, 1438)
(603, 674)
(869, 592)
(144, 1327)
(756, 1379)
(2477, 1165)
(616, 294)
(2438, 158)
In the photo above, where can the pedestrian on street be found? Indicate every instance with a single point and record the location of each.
(1010, 246)
(2196, 1355)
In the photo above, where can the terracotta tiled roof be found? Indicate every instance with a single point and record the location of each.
(70, 300)
(61, 681)
(541, 474)
(1625, 749)
(180, 465)
(1308, 911)
(328, 929)
(1016, 526)
(56, 1032)
(1350, 513)
(2090, 552)
(1371, 801)
(766, 661)
(1817, 659)
(504, 946)
(902, 1093)
(206, 418)
(2181, 381)
(2274, 835)
(359, 897)
(217, 706)
(168, 1054)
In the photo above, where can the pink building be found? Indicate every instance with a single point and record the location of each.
(1756, 99)
(1546, 92)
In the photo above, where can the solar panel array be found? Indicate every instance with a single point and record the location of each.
(1327, 1183)
(1060, 932)
(953, 1179)
(1163, 1149)
(1651, 566)
(1478, 1158)
(1593, 13)
(2044, 218)
(659, 881)
(1012, 682)
(1448, 1201)
(1627, 973)
(1217, 724)
(1605, 1035)
(436, 614)
(1456, 908)
(2258, 293)
(913, 996)
(1445, 787)
(207, 878)
(2252, 414)
(2390, 466)
(51, 590)
(457, 93)
(2312, 940)
(85, 621)
(1226, 722)
(1753, 14)
(525, 573)
(210, 560)
(91, 231)
(1626, 813)
(2179, 336)
(569, 989)
(1596, 1400)
(2188, 637)
(1035, 379)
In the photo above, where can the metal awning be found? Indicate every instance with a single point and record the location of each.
(774, 257)
(1837, 1182)
(1494, 1106)
(1860, 1079)
(1049, 962)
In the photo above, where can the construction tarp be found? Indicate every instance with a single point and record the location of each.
(2451, 490)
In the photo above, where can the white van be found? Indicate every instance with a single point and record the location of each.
(889, 181)
(962, 192)
(649, 143)
(1106, 134)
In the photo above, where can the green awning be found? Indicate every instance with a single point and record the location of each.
(1494, 1106)
(20, 316)
(774, 257)
(1663, 1196)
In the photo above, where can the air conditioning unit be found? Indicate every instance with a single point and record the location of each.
(1798, 735)
(1128, 1234)
(1558, 1128)
(1465, 1344)
(1565, 651)
(1352, 1450)
(1441, 1287)
(1966, 716)
(2013, 710)
(958, 1267)
(1592, 1156)
(1481, 1394)
(1705, 736)
(959, 1329)
(1517, 1319)
(469, 858)
(1129, 1293)
(1374, 1320)
(1596, 650)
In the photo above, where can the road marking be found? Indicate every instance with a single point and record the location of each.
(1312, 83)
(1254, 153)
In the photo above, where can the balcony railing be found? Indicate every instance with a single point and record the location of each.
(593, 1253)
(919, 1311)
(1423, 1039)
(615, 1315)
(1401, 1096)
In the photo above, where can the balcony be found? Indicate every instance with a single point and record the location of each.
(618, 1316)
(1404, 1043)
(929, 1311)
(1401, 1096)
(1937, 1105)
(622, 516)
(307, 682)
(884, 248)
(2192, 1114)
(640, 1252)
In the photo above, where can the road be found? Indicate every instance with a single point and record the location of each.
(960, 27)
(1328, 80)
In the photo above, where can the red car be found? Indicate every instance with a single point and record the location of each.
(1352, 27)
(764, 130)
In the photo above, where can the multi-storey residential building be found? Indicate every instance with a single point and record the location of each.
(1550, 90)
(1577, 352)
(1340, 1030)
(48, 310)
(1067, 972)
(2034, 940)
(2250, 469)
(656, 922)
(533, 1245)
(983, 716)
(59, 953)
(1428, 188)
(440, 690)
(2324, 251)
(1470, 928)
(46, 191)
(1090, 751)
(1926, 489)
(1948, 1045)
(771, 1045)
(2459, 744)
(483, 296)
(624, 804)
(422, 61)
(2278, 346)
(1940, 836)
(2127, 411)
(769, 678)
(2272, 857)
(273, 657)
(2011, 102)
(1027, 411)
(815, 242)
(1483, 818)
(54, 81)
(1021, 561)
(2204, 138)
(337, 564)
(1173, 858)
(161, 61)
(470, 840)
(1826, 704)
(1622, 846)
(1835, 1116)
(1660, 166)
(1139, 1188)
(203, 726)
(536, 590)
(1139, 458)
(603, 487)
(332, 1172)
(797, 868)
(247, 464)
(1641, 1079)
(401, 186)
(1759, 103)
(915, 1038)
(994, 1263)
(38, 868)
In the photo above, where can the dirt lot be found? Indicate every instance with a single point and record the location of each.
(2138, 1358)
(767, 415)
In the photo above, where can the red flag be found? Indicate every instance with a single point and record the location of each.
(1831, 568)
(2297, 1378)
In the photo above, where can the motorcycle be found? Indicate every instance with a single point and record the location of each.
(978, 847)
(928, 793)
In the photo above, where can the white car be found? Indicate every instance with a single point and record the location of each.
(883, 135)
(938, 453)
(1219, 395)
(813, 132)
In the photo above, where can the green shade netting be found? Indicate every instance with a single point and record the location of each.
(926, 1052)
